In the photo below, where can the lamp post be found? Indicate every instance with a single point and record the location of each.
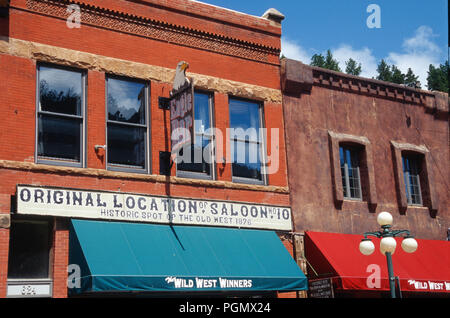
(388, 244)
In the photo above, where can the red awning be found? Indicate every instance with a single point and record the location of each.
(337, 255)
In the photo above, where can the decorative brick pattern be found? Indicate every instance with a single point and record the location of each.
(156, 30)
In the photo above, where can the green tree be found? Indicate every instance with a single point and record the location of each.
(438, 77)
(411, 80)
(391, 73)
(397, 76)
(352, 67)
(384, 72)
(318, 60)
(331, 63)
(327, 62)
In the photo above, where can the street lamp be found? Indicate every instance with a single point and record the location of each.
(388, 244)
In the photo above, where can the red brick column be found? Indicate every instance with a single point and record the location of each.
(60, 258)
(222, 122)
(4, 249)
(96, 120)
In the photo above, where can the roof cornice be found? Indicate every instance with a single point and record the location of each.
(95, 15)
(297, 77)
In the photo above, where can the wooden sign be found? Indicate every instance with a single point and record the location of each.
(182, 118)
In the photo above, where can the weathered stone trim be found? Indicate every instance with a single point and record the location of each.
(67, 57)
(100, 173)
(349, 138)
(410, 147)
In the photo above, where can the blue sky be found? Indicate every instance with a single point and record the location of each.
(413, 33)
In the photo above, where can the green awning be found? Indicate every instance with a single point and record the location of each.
(116, 256)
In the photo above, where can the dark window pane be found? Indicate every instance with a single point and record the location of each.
(341, 156)
(344, 187)
(126, 145)
(406, 178)
(246, 160)
(59, 137)
(349, 160)
(197, 157)
(60, 91)
(29, 250)
(126, 101)
(411, 172)
(250, 171)
(405, 164)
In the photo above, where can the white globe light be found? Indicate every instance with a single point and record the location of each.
(384, 218)
(366, 247)
(388, 245)
(409, 245)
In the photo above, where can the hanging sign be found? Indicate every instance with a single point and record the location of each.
(182, 118)
(181, 105)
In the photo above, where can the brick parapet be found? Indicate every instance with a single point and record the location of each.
(298, 77)
(185, 23)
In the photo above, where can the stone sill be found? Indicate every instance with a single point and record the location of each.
(100, 173)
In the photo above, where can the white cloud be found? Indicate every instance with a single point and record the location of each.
(293, 50)
(418, 53)
(364, 56)
(421, 42)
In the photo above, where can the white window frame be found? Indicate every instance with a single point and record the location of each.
(82, 118)
(261, 142)
(407, 178)
(129, 168)
(345, 177)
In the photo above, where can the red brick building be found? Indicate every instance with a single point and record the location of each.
(357, 147)
(83, 122)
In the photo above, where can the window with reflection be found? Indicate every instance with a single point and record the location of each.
(247, 141)
(60, 115)
(350, 170)
(127, 124)
(411, 173)
(196, 159)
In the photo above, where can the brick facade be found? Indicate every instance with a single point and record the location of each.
(229, 54)
(324, 109)
(382, 122)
